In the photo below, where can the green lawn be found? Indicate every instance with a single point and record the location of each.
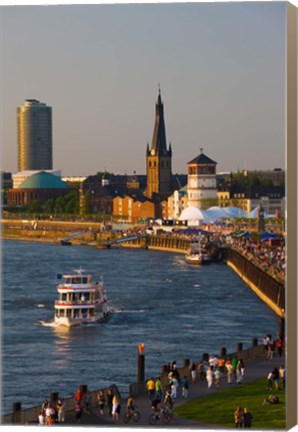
(218, 408)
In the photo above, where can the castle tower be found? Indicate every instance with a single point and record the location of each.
(159, 159)
(201, 180)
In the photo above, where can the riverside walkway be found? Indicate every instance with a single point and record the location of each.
(253, 371)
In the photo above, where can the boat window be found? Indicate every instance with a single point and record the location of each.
(87, 296)
(76, 280)
(91, 312)
(76, 313)
(67, 280)
(57, 313)
(84, 313)
(63, 297)
(85, 280)
(68, 313)
(61, 312)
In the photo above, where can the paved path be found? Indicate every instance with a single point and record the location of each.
(253, 371)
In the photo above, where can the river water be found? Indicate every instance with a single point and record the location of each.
(177, 310)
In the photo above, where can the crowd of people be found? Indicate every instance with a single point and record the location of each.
(269, 258)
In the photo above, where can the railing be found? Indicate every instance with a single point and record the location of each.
(74, 303)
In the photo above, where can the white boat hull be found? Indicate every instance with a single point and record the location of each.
(72, 322)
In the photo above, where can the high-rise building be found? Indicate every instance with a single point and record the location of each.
(34, 136)
(159, 159)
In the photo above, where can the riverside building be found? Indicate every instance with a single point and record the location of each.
(35, 150)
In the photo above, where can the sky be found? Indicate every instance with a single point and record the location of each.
(220, 67)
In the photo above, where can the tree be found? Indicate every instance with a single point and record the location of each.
(34, 206)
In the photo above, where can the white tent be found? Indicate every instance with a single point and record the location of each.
(192, 215)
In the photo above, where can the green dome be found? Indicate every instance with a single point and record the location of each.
(43, 180)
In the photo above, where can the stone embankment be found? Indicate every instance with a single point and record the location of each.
(251, 356)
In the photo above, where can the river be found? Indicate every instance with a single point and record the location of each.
(177, 310)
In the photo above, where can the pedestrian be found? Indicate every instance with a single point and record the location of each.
(174, 387)
(78, 411)
(238, 417)
(271, 349)
(168, 401)
(110, 401)
(115, 405)
(275, 378)
(193, 372)
(158, 388)
(239, 369)
(101, 402)
(217, 375)
(279, 346)
(234, 363)
(185, 387)
(61, 410)
(221, 365)
(269, 381)
(247, 418)
(41, 417)
(209, 377)
(230, 370)
(87, 401)
(201, 371)
(150, 386)
(282, 375)
(78, 395)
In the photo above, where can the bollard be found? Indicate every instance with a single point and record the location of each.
(16, 412)
(164, 369)
(205, 357)
(54, 397)
(254, 342)
(83, 388)
(239, 347)
(185, 362)
(141, 368)
(223, 352)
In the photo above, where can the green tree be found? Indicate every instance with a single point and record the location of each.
(86, 204)
(34, 206)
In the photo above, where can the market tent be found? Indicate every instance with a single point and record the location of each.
(192, 214)
(235, 212)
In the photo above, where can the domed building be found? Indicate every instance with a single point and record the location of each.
(41, 186)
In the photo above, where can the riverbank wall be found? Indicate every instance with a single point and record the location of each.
(269, 289)
(30, 415)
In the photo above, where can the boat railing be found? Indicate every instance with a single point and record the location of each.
(74, 302)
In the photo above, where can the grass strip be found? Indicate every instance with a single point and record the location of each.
(218, 408)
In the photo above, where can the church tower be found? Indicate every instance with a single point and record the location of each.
(159, 159)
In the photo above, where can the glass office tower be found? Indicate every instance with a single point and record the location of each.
(35, 150)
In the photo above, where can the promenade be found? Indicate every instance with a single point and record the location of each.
(253, 371)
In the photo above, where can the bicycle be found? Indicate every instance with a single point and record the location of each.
(131, 414)
(164, 415)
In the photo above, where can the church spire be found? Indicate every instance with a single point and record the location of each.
(159, 144)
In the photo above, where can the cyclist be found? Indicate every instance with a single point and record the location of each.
(155, 406)
(168, 400)
(130, 405)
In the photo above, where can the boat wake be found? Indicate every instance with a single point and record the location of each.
(47, 323)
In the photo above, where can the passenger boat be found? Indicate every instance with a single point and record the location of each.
(197, 254)
(80, 300)
(199, 258)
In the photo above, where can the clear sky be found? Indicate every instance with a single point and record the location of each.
(221, 69)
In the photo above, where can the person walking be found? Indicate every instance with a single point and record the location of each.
(115, 409)
(185, 387)
(110, 401)
(150, 386)
(78, 411)
(209, 377)
(238, 417)
(158, 388)
(61, 410)
(193, 372)
(101, 402)
(217, 375)
(230, 370)
(174, 387)
(247, 418)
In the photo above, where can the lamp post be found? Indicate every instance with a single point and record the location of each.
(141, 363)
